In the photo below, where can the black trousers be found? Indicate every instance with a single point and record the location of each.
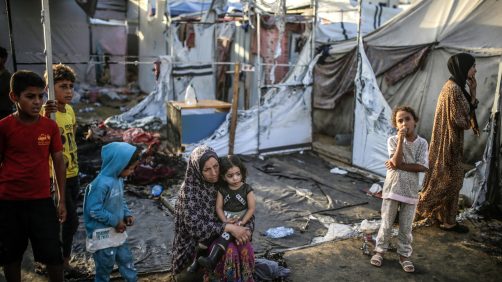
(70, 226)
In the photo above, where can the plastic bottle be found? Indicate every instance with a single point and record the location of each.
(279, 232)
(157, 190)
(190, 97)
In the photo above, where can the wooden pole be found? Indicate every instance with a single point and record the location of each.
(235, 104)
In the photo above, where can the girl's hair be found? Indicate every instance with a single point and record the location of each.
(134, 158)
(403, 109)
(230, 161)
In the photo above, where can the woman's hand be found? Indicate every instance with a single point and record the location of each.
(242, 234)
(472, 83)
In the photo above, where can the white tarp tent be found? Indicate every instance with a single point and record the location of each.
(338, 19)
(442, 28)
(373, 115)
(283, 120)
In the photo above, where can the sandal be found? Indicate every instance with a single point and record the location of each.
(376, 260)
(407, 266)
(457, 228)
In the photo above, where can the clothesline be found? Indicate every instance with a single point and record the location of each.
(187, 63)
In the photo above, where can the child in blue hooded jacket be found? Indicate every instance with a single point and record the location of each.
(106, 214)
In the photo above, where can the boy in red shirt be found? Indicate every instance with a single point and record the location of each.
(27, 211)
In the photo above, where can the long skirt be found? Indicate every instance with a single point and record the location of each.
(236, 266)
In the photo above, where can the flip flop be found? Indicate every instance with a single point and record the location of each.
(407, 266)
(376, 260)
(457, 228)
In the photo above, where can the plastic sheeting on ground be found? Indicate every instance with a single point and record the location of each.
(150, 239)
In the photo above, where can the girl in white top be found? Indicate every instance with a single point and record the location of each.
(408, 154)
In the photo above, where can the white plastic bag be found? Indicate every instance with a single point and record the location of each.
(105, 238)
(190, 97)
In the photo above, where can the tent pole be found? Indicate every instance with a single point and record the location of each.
(258, 75)
(494, 194)
(46, 23)
(11, 39)
(359, 39)
(358, 74)
(314, 6)
(235, 105)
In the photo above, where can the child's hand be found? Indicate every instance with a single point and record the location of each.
(129, 220)
(390, 165)
(121, 227)
(62, 212)
(231, 220)
(401, 134)
(50, 107)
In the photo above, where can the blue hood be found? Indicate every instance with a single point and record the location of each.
(104, 203)
(115, 158)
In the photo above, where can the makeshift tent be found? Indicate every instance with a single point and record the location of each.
(69, 29)
(338, 19)
(408, 56)
(194, 62)
(74, 37)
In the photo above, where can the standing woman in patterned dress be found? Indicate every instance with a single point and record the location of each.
(196, 221)
(454, 114)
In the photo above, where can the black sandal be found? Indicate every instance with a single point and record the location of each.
(457, 228)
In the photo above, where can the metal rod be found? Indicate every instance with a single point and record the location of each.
(46, 23)
(235, 104)
(258, 75)
(11, 39)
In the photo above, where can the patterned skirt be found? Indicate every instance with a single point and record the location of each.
(236, 266)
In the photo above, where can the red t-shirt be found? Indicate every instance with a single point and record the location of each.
(25, 149)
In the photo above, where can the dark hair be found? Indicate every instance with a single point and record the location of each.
(61, 72)
(134, 158)
(3, 53)
(23, 79)
(230, 161)
(403, 109)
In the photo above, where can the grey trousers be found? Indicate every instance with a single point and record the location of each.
(406, 215)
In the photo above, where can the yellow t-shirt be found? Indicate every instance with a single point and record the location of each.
(66, 122)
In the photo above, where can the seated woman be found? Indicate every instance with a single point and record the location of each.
(196, 221)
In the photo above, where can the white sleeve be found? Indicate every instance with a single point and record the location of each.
(422, 157)
(391, 145)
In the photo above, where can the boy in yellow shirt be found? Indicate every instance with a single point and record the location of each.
(64, 77)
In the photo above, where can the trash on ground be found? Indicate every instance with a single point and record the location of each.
(369, 226)
(338, 171)
(279, 232)
(269, 270)
(157, 190)
(336, 231)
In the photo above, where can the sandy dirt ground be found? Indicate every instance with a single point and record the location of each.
(438, 255)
